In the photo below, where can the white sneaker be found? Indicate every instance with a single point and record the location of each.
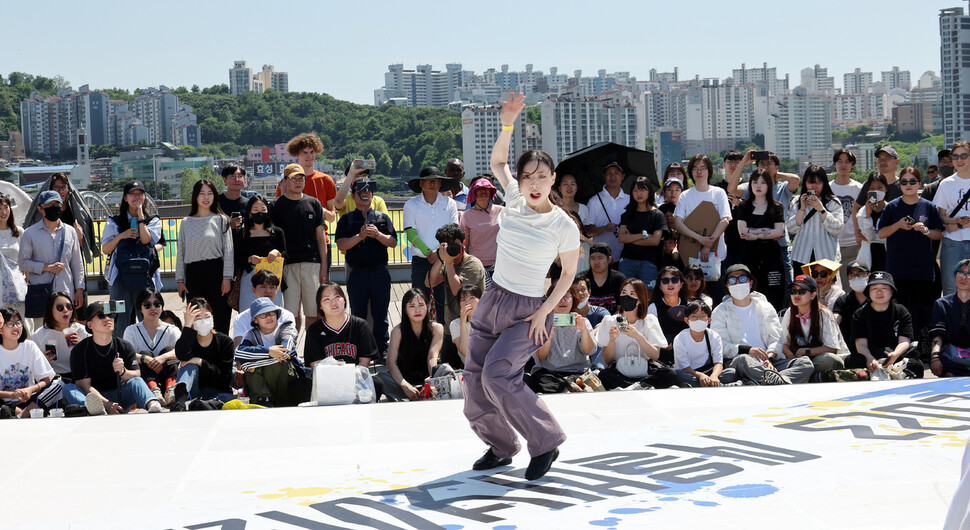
(157, 392)
(169, 396)
(94, 404)
(154, 406)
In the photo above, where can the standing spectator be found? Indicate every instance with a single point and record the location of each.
(825, 273)
(761, 224)
(674, 183)
(700, 355)
(641, 226)
(732, 238)
(700, 169)
(953, 192)
(263, 284)
(303, 221)
(567, 187)
(106, 375)
(365, 235)
(129, 238)
(231, 201)
(886, 163)
(873, 249)
(344, 203)
(26, 378)
(13, 285)
(850, 301)
(815, 220)
(258, 239)
(50, 252)
(456, 270)
(480, 223)
(74, 212)
(809, 330)
(606, 207)
(909, 224)
(59, 334)
(604, 282)
(424, 214)
(154, 344)
(945, 160)
(846, 190)
(204, 265)
(751, 334)
(455, 171)
(206, 358)
(883, 330)
(950, 328)
(413, 353)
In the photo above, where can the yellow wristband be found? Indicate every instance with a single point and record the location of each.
(508, 127)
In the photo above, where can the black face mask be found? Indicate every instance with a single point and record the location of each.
(259, 218)
(52, 213)
(628, 303)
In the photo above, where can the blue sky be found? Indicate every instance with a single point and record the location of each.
(343, 48)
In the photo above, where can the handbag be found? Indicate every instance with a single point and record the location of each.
(37, 294)
(232, 297)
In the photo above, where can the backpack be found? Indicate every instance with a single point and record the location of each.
(134, 261)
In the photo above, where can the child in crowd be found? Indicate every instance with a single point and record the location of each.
(699, 357)
(266, 356)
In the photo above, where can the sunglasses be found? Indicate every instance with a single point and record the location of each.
(100, 315)
(820, 274)
(733, 280)
(964, 156)
(798, 292)
(149, 305)
(908, 182)
(63, 307)
(668, 280)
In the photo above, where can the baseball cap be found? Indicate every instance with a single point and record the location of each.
(47, 197)
(292, 170)
(888, 149)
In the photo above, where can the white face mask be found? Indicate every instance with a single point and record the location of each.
(697, 326)
(858, 284)
(880, 195)
(582, 304)
(739, 291)
(203, 326)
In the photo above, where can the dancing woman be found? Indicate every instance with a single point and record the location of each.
(514, 318)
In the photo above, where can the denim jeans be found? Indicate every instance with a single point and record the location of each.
(123, 320)
(645, 270)
(951, 252)
(133, 392)
(189, 375)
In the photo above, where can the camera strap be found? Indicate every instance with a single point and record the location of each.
(960, 204)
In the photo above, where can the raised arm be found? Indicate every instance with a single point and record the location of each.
(500, 153)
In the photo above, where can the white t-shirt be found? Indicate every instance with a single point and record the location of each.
(244, 322)
(692, 198)
(9, 245)
(528, 243)
(22, 367)
(649, 327)
(947, 196)
(750, 329)
(598, 216)
(428, 218)
(847, 194)
(62, 364)
(165, 338)
(689, 353)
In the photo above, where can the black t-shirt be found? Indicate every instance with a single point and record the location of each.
(230, 206)
(882, 329)
(670, 326)
(369, 252)
(243, 247)
(846, 306)
(892, 192)
(760, 250)
(636, 222)
(299, 221)
(607, 294)
(216, 371)
(88, 360)
(348, 343)
(68, 217)
(909, 254)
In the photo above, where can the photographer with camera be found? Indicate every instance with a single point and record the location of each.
(456, 270)
(814, 220)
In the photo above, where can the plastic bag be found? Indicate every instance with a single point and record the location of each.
(364, 386)
(334, 383)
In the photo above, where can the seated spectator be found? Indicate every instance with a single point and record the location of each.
(170, 317)
(106, 375)
(950, 328)
(630, 340)
(698, 354)
(696, 285)
(265, 284)
(850, 302)
(267, 356)
(206, 355)
(666, 305)
(825, 272)
(604, 282)
(336, 334)
(154, 343)
(461, 326)
(751, 334)
(883, 330)
(566, 354)
(593, 314)
(59, 334)
(812, 332)
(26, 378)
(413, 353)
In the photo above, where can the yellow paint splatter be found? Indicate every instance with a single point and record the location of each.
(735, 420)
(829, 404)
(248, 492)
(306, 492)
(399, 486)
(270, 496)
(706, 430)
(418, 470)
(767, 415)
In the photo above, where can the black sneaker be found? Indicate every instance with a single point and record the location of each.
(489, 461)
(540, 465)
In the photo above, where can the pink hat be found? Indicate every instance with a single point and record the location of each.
(482, 183)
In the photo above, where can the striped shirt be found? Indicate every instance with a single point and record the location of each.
(204, 238)
(252, 353)
(815, 234)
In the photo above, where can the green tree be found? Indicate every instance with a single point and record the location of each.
(533, 114)
(404, 166)
(189, 178)
(207, 173)
(385, 166)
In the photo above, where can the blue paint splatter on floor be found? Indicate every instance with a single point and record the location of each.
(747, 491)
(505, 527)
(669, 499)
(705, 503)
(627, 511)
(609, 521)
(452, 526)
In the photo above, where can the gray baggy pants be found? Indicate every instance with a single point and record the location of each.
(497, 400)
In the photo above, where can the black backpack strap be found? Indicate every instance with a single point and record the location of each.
(960, 204)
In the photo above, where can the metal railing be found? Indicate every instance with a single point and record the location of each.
(398, 254)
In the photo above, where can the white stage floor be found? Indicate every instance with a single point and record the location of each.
(849, 455)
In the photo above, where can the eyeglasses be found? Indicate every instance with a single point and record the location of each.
(263, 316)
(301, 177)
(63, 307)
(963, 275)
(964, 156)
(669, 280)
(14, 324)
(733, 280)
(908, 182)
(58, 188)
(798, 292)
(149, 305)
(820, 274)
